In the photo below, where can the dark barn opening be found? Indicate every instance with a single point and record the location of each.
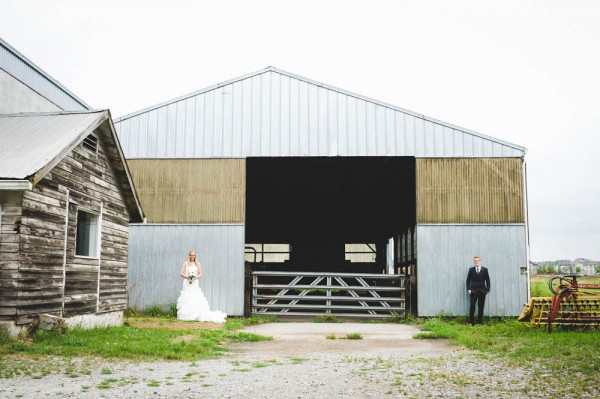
(342, 214)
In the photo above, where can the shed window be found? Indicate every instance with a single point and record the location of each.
(86, 243)
(90, 143)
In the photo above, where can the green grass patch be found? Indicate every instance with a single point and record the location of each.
(129, 342)
(256, 320)
(169, 310)
(331, 336)
(436, 329)
(567, 353)
(244, 336)
(539, 284)
(298, 360)
(354, 336)
(539, 288)
(326, 318)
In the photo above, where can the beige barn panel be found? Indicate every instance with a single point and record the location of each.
(470, 190)
(190, 191)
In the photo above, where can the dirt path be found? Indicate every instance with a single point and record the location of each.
(300, 362)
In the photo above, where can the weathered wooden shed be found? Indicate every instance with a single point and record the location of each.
(287, 174)
(66, 200)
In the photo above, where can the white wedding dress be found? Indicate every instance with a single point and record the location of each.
(192, 304)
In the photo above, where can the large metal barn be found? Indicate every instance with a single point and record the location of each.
(302, 198)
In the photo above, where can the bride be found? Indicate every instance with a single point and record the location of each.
(192, 304)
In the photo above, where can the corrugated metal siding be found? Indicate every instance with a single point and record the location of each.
(274, 113)
(470, 190)
(156, 253)
(31, 75)
(41, 137)
(444, 254)
(191, 190)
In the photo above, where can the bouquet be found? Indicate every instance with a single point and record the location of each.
(192, 275)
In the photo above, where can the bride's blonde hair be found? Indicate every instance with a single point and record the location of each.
(195, 256)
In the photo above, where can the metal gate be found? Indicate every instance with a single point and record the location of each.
(337, 294)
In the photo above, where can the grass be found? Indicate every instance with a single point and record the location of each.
(160, 342)
(539, 284)
(256, 320)
(567, 353)
(354, 336)
(326, 318)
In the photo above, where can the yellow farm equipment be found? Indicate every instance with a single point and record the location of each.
(572, 305)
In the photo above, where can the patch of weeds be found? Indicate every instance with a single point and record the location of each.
(153, 383)
(436, 329)
(259, 365)
(298, 360)
(106, 371)
(235, 363)
(107, 383)
(207, 385)
(244, 336)
(128, 381)
(243, 370)
(326, 318)
(331, 336)
(354, 336)
(256, 320)
(169, 310)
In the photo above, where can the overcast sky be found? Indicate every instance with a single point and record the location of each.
(526, 72)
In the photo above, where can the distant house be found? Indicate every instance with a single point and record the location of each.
(584, 267)
(66, 201)
(580, 266)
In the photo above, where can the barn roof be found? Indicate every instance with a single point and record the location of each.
(271, 112)
(31, 144)
(19, 66)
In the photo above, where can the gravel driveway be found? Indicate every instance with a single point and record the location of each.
(299, 363)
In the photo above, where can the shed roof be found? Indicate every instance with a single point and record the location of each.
(272, 112)
(31, 144)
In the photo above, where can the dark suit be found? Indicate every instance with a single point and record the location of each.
(479, 284)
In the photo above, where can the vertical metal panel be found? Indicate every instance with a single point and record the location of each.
(191, 190)
(470, 190)
(444, 254)
(273, 113)
(31, 75)
(156, 253)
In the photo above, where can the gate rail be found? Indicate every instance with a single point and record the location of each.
(337, 294)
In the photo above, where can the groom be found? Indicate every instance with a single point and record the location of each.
(478, 286)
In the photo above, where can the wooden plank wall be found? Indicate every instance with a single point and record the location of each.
(191, 191)
(85, 180)
(40, 278)
(9, 252)
(470, 190)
